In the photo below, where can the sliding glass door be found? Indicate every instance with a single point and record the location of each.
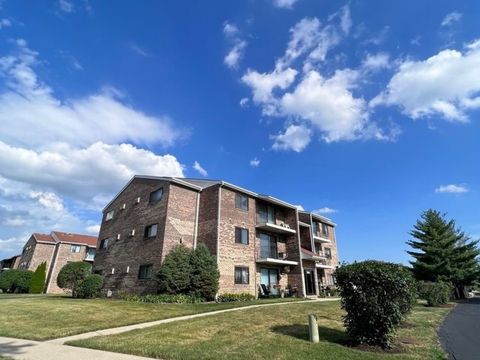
(268, 246)
(269, 278)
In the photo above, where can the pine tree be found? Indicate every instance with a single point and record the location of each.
(175, 271)
(205, 274)
(37, 284)
(443, 253)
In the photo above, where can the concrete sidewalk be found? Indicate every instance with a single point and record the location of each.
(34, 350)
(123, 329)
(56, 350)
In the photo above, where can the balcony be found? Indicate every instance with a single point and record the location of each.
(90, 256)
(310, 255)
(283, 229)
(324, 264)
(321, 239)
(264, 256)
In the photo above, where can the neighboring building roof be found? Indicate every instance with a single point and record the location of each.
(75, 238)
(44, 238)
(318, 217)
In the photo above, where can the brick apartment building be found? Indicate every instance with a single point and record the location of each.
(263, 245)
(56, 249)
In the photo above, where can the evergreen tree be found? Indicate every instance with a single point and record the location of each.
(38, 279)
(205, 274)
(443, 252)
(175, 271)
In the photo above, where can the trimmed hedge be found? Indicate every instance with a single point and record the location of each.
(89, 287)
(436, 293)
(376, 297)
(243, 297)
(163, 299)
(15, 280)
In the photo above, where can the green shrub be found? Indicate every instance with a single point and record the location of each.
(72, 274)
(175, 271)
(15, 280)
(376, 297)
(90, 287)
(436, 293)
(235, 297)
(38, 279)
(163, 299)
(205, 274)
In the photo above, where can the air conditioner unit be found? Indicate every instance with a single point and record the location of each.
(118, 236)
(124, 206)
(132, 232)
(137, 201)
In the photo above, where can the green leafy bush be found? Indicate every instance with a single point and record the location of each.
(72, 274)
(38, 279)
(376, 297)
(235, 297)
(15, 280)
(205, 274)
(89, 287)
(436, 293)
(175, 271)
(163, 299)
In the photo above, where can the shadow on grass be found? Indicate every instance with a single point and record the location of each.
(300, 331)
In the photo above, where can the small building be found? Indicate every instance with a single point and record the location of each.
(56, 249)
(10, 263)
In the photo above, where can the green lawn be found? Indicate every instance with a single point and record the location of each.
(278, 332)
(48, 317)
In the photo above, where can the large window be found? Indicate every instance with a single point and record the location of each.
(145, 271)
(268, 246)
(151, 231)
(269, 281)
(241, 202)
(109, 215)
(156, 196)
(266, 214)
(242, 275)
(241, 236)
(104, 243)
(75, 248)
(325, 229)
(328, 253)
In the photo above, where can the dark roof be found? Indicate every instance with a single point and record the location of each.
(202, 183)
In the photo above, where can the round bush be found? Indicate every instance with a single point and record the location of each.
(89, 287)
(376, 297)
(436, 293)
(72, 274)
(15, 280)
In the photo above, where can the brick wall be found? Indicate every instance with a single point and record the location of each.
(35, 253)
(208, 218)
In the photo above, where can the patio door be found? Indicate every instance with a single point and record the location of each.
(309, 282)
(269, 278)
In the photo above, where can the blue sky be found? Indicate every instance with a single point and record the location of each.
(366, 111)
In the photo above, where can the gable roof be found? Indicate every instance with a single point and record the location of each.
(47, 238)
(75, 238)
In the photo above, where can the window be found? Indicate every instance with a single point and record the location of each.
(241, 275)
(151, 231)
(328, 253)
(145, 271)
(325, 229)
(241, 236)
(104, 243)
(315, 229)
(156, 196)
(109, 215)
(75, 248)
(268, 246)
(241, 202)
(266, 214)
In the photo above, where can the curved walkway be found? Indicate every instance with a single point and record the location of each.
(56, 350)
(460, 332)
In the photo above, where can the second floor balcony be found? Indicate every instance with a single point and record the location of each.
(269, 254)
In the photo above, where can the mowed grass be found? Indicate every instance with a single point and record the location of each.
(48, 317)
(277, 332)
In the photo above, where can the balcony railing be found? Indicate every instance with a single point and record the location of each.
(269, 256)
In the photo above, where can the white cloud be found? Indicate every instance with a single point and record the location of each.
(451, 18)
(325, 210)
(255, 162)
(200, 169)
(445, 85)
(284, 4)
(379, 37)
(378, 61)
(27, 103)
(230, 29)
(5, 23)
(66, 6)
(139, 50)
(93, 229)
(452, 189)
(68, 171)
(295, 137)
(48, 200)
(244, 102)
(235, 54)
